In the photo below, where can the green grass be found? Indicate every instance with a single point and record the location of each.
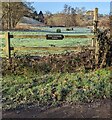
(69, 42)
(52, 89)
(47, 30)
(47, 43)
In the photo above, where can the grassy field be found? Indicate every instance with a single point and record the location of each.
(69, 42)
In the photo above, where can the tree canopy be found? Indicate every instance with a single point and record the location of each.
(12, 13)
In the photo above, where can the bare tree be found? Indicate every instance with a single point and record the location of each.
(12, 12)
(41, 17)
(65, 8)
(48, 16)
(73, 16)
(70, 14)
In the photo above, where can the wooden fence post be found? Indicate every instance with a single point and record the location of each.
(95, 24)
(97, 52)
(95, 32)
(7, 38)
(93, 42)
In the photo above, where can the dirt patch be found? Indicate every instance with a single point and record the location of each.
(97, 109)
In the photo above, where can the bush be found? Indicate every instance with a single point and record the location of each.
(58, 30)
(69, 29)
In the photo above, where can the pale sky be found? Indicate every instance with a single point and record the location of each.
(104, 7)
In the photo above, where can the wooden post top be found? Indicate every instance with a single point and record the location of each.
(96, 14)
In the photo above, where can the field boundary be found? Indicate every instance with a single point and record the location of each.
(44, 36)
(94, 44)
(8, 47)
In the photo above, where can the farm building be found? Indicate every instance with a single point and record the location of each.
(89, 14)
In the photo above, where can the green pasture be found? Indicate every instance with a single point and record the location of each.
(47, 30)
(69, 42)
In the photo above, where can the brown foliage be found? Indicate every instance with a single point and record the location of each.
(105, 23)
(68, 62)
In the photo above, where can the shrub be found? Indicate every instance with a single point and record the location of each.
(69, 29)
(58, 30)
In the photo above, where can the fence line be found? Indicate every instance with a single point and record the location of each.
(8, 36)
(8, 48)
(46, 48)
(44, 36)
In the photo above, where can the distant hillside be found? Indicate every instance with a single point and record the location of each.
(28, 23)
(31, 21)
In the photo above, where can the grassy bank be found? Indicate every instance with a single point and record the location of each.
(54, 88)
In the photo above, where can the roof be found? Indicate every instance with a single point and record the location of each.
(90, 12)
(31, 21)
